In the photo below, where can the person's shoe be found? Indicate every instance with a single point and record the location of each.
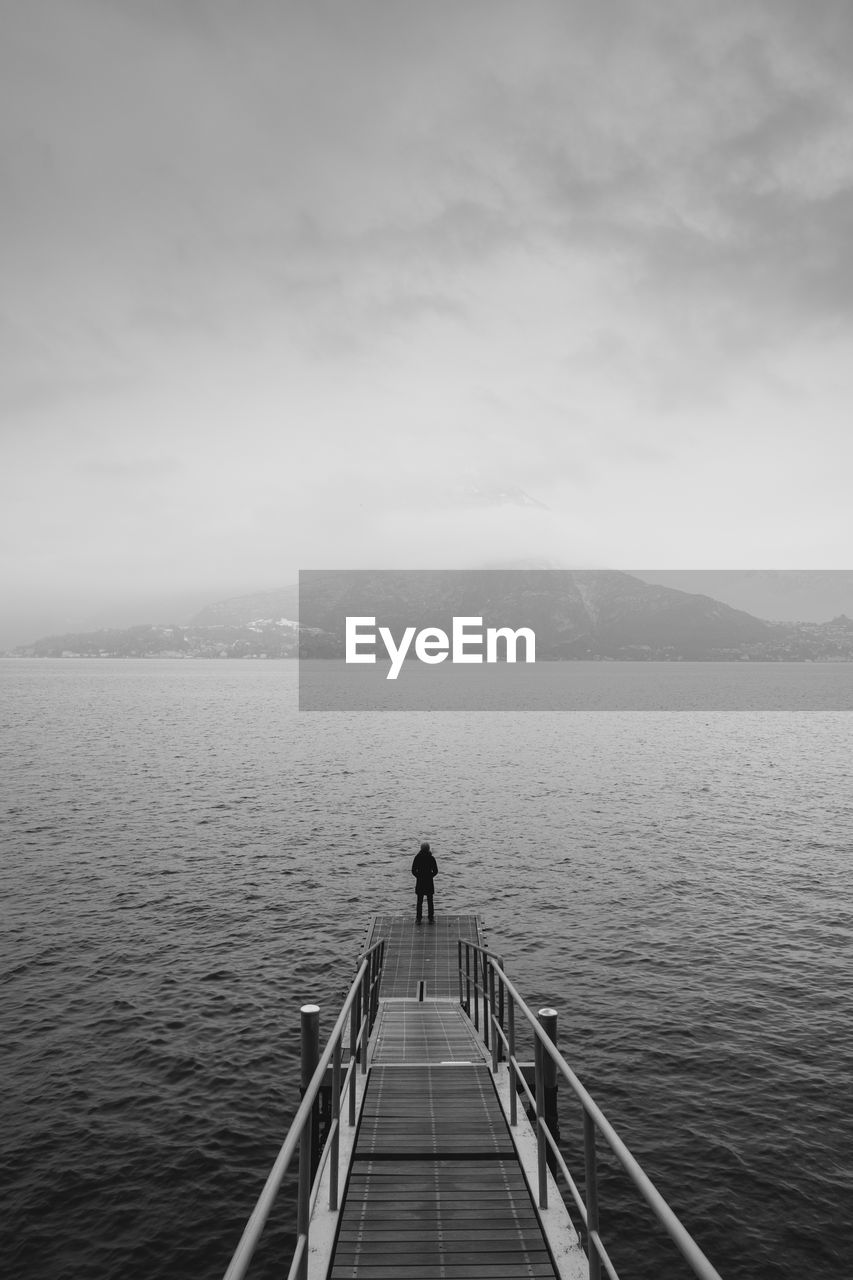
(431, 920)
(418, 921)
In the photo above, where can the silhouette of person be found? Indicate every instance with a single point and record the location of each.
(424, 869)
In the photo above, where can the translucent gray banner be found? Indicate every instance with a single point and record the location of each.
(555, 640)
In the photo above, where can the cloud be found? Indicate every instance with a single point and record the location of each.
(704, 158)
(297, 164)
(269, 269)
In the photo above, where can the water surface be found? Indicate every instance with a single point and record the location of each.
(187, 859)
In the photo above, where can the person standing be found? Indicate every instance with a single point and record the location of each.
(424, 869)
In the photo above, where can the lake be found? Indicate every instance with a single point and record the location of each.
(188, 858)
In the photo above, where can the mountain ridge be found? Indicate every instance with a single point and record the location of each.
(596, 615)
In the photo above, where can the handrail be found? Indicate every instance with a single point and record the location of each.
(548, 1062)
(360, 1008)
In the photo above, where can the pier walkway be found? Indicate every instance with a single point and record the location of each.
(428, 1168)
(436, 1187)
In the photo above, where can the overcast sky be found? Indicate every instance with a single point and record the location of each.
(284, 283)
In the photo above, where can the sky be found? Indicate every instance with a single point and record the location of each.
(330, 285)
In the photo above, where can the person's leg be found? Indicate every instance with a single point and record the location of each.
(430, 911)
(420, 907)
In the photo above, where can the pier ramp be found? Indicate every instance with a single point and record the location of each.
(437, 1187)
(438, 1151)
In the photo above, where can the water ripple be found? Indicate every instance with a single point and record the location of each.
(188, 860)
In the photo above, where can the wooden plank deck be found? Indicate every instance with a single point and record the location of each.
(435, 1189)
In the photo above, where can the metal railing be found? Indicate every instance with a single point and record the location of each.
(483, 982)
(359, 1011)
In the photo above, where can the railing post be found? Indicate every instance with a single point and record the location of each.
(591, 1171)
(310, 1056)
(541, 1145)
(486, 965)
(459, 968)
(366, 992)
(495, 1037)
(336, 1125)
(376, 972)
(355, 1016)
(501, 1005)
(365, 1019)
(548, 1020)
(310, 1046)
(513, 1082)
(476, 995)
(468, 979)
(371, 989)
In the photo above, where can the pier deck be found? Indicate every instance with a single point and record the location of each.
(426, 952)
(428, 1167)
(436, 1185)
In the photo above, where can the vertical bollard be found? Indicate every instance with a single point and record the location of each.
(365, 1004)
(308, 1142)
(356, 1014)
(501, 1005)
(487, 964)
(367, 994)
(353, 1031)
(538, 1055)
(374, 1002)
(513, 1082)
(492, 1017)
(372, 990)
(548, 1020)
(336, 1124)
(310, 1029)
(476, 997)
(591, 1171)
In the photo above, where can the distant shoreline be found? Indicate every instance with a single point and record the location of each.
(734, 660)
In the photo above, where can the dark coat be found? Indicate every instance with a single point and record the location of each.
(424, 868)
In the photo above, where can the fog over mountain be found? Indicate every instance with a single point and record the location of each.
(774, 595)
(586, 614)
(809, 595)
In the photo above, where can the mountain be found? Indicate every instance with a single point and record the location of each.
(475, 489)
(576, 614)
(783, 595)
(260, 639)
(240, 611)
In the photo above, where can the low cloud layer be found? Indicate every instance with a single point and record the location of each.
(277, 276)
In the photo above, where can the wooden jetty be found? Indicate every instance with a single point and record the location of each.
(430, 1169)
